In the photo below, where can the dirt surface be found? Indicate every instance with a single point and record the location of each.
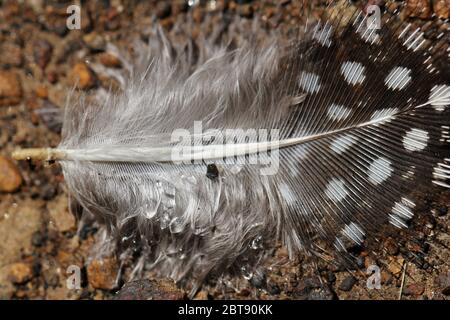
(41, 245)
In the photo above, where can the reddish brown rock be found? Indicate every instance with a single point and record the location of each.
(163, 289)
(441, 8)
(414, 289)
(20, 272)
(12, 54)
(418, 9)
(42, 53)
(10, 88)
(42, 91)
(82, 76)
(102, 273)
(10, 177)
(109, 60)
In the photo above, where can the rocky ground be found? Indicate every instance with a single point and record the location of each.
(41, 60)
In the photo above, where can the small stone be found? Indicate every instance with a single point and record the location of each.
(56, 23)
(179, 6)
(94, 41)
(197, 15)
(13, 56)
(163, 10)
(10, 177)
(109, 60)
(62, 219)
(259, 279)
(111, 19)
(273, 288)
(442, 211)
(415, 289)
(41, 91)
(391, 247)
(441, 8)
(331, 277)
(102, 273)
(10, 88)
(396, 266)
(347, 284)
(201, 295)
(245, 10)
(162, 289)
(20, 272)
(82, 76)
(418, 9)
(386, 277)
(443, 282)
(37, 239)
(42, 53)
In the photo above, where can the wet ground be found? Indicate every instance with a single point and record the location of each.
(40, 248)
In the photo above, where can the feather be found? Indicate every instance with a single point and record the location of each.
(320, 139)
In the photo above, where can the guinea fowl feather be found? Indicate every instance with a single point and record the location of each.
(321, 139)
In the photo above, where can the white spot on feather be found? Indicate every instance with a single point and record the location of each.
(441, 174)
(287, 193)
(398, 78)
(401, 213)
(338, 112)
(343, 143)
(336, 190)
(380, 170)
(354, 232)
(384, 115)
(415, 140)
(309, 82)
(353, 72)
(440, 97)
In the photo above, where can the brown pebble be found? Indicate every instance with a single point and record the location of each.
(197, 15)
(94, 41)
(201, 295)
(418, 9)
(391, 247)
(102, 273)
(347, 284)
(163, 9)
(10, 177)
(20, 272)
(396, 266)
(245, 10)
(13, 54)
(41, 91)
(414, 289)
(10, 88)
(441, 8)
(82, 76)
(109, 60)
(161, 289)
(443, 282)
(42, 53)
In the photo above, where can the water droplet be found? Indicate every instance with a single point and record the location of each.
(236, 169)
(246, 273)
(150, 212)
(164, 220)
(257, 243)
(176, 225)
(200, 230)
